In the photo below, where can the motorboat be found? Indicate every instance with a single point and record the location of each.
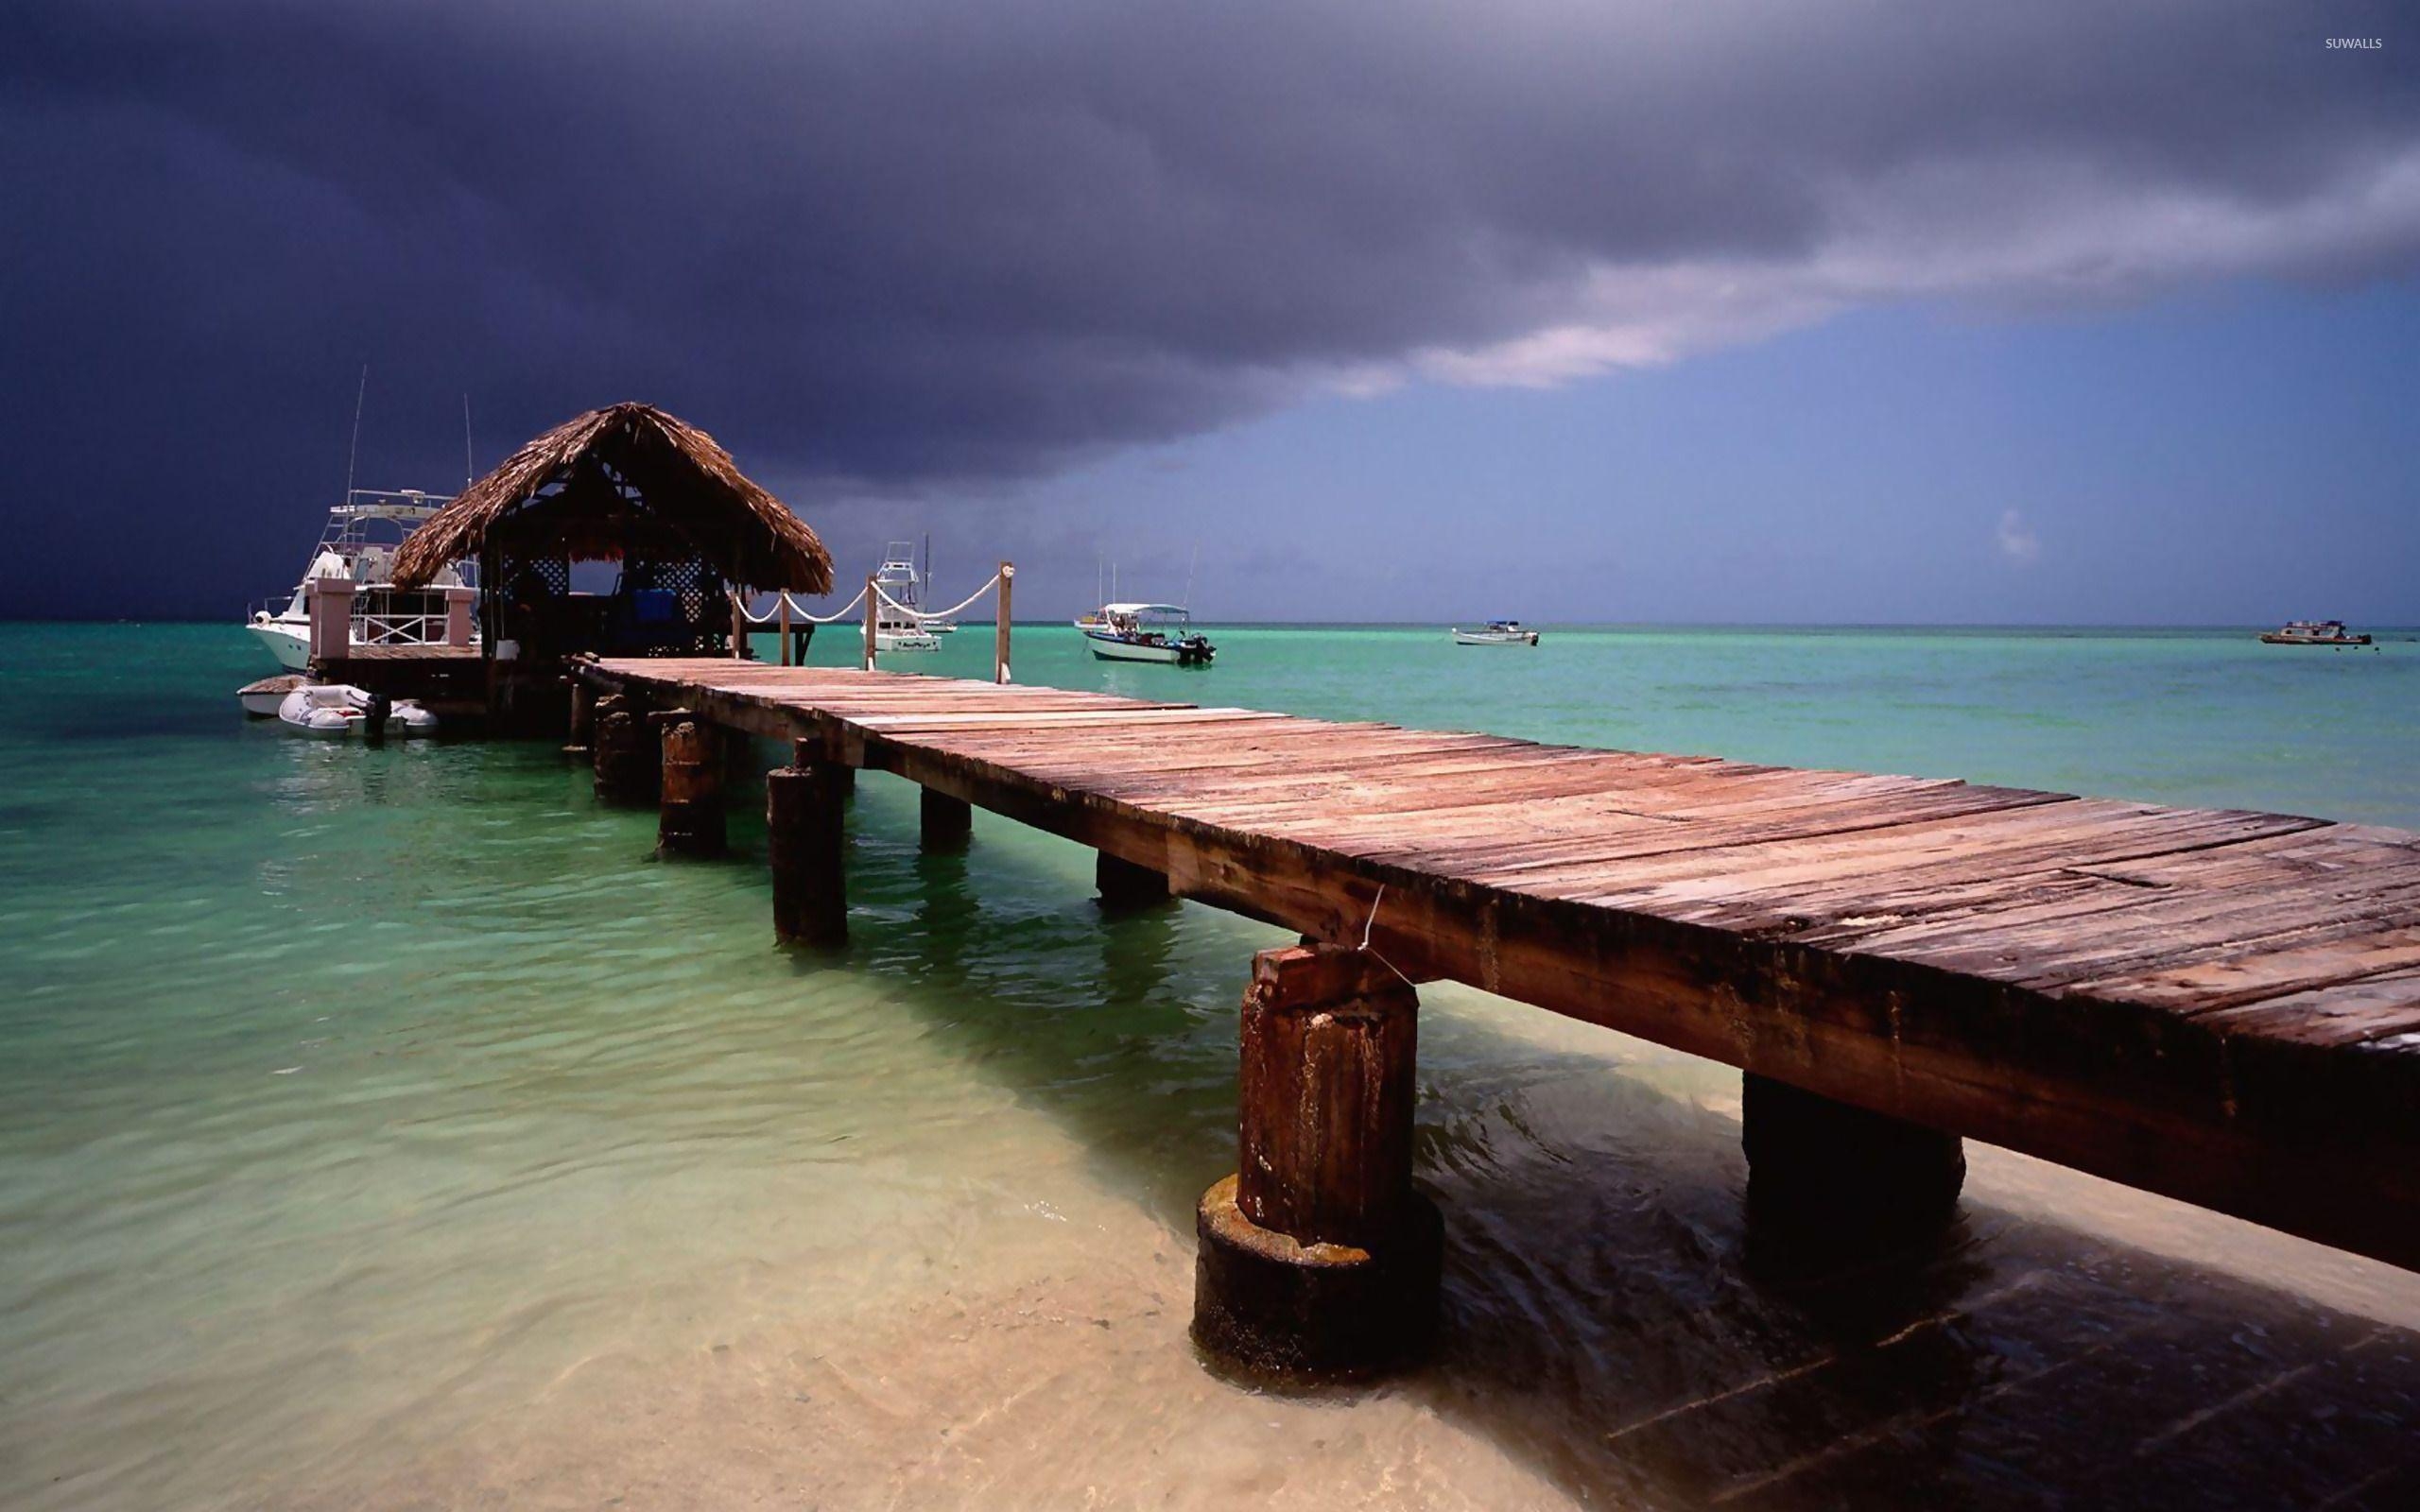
(261, 699)
(898, 625)
(358, 542)
(1498, 632)
(342, 709)
(2314, 632)
(1148, 632)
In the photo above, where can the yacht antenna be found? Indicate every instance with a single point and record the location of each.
(1188, 574)
(469, 469)
(354, 453)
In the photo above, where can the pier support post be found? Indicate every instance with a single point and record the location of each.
(629, 758)
(805, 845)
(1125, 887)
(1821, 1166)
(582, 734)
(1318, 1257)
(689, 817)
(947, 822)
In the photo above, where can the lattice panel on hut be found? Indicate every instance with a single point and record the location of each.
(690, 621)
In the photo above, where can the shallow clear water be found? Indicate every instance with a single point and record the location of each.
(384, 1126)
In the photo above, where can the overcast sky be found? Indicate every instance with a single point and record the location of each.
(2102, 311)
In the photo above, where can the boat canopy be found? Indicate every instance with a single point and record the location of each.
(1132, 610)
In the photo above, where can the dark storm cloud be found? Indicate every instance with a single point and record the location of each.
(903, 242)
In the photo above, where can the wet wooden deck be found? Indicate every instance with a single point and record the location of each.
(2216, 1004)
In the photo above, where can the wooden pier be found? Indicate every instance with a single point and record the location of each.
(2218, 1005)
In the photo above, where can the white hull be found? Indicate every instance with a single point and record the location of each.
(1109, 649)
(287, 642)
(905, 641)
(1494, 638)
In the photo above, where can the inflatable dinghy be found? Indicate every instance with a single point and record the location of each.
(342, 709)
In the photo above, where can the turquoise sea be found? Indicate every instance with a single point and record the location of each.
(384, 1126)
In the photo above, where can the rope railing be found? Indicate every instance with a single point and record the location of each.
(921, 615)
(773, 615)
(875, 601)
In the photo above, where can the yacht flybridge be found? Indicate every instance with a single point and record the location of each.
(359, 543)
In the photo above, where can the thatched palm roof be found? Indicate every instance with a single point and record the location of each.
(577, 480)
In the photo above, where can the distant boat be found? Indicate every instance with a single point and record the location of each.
(2314, 632)
(900, 629)
(1498, 632)
(1148, 632)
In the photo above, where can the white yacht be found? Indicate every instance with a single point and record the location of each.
(900, 629)
(359, 543)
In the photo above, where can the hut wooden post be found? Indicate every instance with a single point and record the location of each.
(689, 817)
(1125, 887)
(1001, 629)
(582, 734)
(870, 601)
(805, 844)
(1318, 1257)
(947, 823)
(629, 758)
(738, 627)
(785, 613)
(1827, 1169)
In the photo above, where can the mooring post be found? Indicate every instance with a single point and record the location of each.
(689, 817)
(805, 845)
(1000, 626)
(1318, 1257)
(1817, 1163)
(1125, 886)
(873, 596)
(738, 627)
(628, 758)
(786, 649)
(582, 734)
(947, 822)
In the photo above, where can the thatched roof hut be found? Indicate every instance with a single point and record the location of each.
(626, 477)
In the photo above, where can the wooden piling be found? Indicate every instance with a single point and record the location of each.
(873, 597)
(629, 759)
(689, 814)
(582, 733)
(1125, 887)
(1318, 1257)
(805, 844)
(1001, 626)
(947, 822)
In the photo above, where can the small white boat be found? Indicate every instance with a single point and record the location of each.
(1148, 632)
(1498, 632)
(342, 709)
(261, 699)
(2314, 632)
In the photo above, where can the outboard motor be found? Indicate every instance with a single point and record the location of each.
(374, 712)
